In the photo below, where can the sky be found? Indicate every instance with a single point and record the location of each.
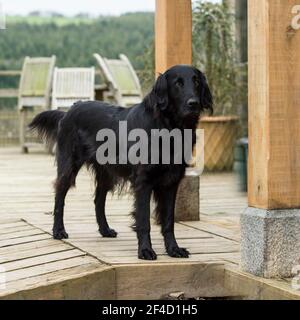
(71, 7)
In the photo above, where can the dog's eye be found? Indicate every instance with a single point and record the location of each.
(179, 83)
(197, 82)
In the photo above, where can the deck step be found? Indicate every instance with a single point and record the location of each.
(31, 259)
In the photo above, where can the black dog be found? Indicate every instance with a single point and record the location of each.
(176, 101)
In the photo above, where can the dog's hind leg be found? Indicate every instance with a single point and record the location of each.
(102, 188)
(66, 176)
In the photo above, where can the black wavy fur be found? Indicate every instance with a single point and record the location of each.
(46, 125)
(177, 99)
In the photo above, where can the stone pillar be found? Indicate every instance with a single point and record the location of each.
(188, 197)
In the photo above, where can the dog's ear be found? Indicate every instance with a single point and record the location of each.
(158, 99)
(206, 99)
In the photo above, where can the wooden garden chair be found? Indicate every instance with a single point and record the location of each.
(71, 85)
(34, 90)
(121, 79)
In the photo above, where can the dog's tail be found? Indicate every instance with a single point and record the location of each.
(46, 125)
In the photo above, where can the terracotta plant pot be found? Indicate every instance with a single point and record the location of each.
(220, 135)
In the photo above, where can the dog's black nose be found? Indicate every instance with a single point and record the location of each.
(193, 103)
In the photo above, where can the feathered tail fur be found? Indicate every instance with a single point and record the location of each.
(46, 124)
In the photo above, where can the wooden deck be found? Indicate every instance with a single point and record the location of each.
(88, 266)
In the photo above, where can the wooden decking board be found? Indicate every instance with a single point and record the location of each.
(47, 268)
(29, 246)
(36, 263)
(90, 281)
(217, 231)
(6, 224)
(32, 253)
(160, 250)
(231, 257)
(21, 228)
(126, 236)
(20, 234)
(12, 242)
(123, 242)
(41, 259)
(57, 275)
(112, 256)
(16, 256)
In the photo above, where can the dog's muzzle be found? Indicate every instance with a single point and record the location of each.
(193, 106)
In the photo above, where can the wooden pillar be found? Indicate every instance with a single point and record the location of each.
(270, 227)
(173, 34)
(274, 105)
(173, 45)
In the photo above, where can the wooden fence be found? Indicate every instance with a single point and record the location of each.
(9, 129)
(9, 118)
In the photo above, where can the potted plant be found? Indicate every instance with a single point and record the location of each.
(214, 51)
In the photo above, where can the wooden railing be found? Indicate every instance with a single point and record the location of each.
(9, 118)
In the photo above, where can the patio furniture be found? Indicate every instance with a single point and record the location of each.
(71, 85)
(121, 79)
(34, 90)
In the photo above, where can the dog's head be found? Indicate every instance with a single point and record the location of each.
(183, 90)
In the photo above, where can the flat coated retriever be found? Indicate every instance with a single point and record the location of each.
(177, 99)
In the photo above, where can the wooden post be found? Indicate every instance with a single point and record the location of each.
(270, 227)
(173, 45)
(173, 34)
(274, 105)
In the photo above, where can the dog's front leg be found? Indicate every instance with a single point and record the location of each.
(166, 206)
(142, 223)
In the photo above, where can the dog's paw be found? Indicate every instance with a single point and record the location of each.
(147, 254)
(176, 252)
(60, 234)
(108, 233)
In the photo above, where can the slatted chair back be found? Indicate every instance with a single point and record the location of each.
(71, 85)
(34, 92)
(121, 79)
(35, 82)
